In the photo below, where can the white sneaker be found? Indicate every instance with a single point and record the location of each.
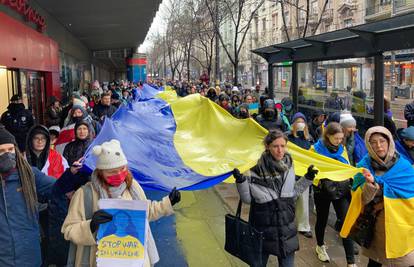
(352, 265)
(322, 254)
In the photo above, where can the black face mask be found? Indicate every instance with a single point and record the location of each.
(244, 114)
(7, 162)
(269, 113)
(300, 134)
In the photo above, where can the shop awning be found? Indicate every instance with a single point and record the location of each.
(105, 24)
(365, 40)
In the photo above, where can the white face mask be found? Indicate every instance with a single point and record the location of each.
(300, 126)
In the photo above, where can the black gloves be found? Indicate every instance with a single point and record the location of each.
(311, 174)
(99, 217)
(238, 176)
(175, 196)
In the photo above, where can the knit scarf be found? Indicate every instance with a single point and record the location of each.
(269, 167)
(116, 192)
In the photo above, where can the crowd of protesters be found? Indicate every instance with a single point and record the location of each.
(43, 183)
(40, 170)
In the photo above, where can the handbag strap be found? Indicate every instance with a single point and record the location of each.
(239, 206)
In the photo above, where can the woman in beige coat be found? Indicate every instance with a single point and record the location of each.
(381, 150)
(111, 179)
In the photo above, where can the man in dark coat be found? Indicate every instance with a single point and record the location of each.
(18, 120)
(270, 119)
(104, 108)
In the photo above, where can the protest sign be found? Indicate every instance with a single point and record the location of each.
(122, 242)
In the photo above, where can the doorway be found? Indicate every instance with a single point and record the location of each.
(37, 95)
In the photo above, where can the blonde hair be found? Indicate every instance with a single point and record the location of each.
(305, 130)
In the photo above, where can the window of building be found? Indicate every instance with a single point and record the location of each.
(256, 24)
(275, 19)
(287, 18)
(264, 25)
(329, 5)
(314, 8)
(347, 23)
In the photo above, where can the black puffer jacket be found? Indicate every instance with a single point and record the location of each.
(277, 220)
(272, 192)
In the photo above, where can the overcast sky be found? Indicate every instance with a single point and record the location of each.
(157, 26)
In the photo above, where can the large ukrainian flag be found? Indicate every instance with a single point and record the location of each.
(398, 187)
(189, 143)
(192, 143)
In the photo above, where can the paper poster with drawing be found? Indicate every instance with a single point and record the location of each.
(122, 241)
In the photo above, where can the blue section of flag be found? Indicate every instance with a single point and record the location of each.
(146, 131)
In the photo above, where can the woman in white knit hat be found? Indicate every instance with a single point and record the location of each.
(110, 179)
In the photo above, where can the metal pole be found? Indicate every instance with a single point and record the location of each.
(165, 59)
(379, 90)
(294, 86)
(270, 80)
(217, 43)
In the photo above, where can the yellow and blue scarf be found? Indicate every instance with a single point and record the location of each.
(398, 187)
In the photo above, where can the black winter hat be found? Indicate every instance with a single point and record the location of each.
(15, 98)
(6, 137)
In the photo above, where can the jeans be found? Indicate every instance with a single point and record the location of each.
(288, 261)
(302, 212)
(322, 213)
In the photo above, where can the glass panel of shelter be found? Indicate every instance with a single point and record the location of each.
(331, 86)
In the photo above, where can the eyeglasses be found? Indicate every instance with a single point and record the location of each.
(380, 142)
(39, 139)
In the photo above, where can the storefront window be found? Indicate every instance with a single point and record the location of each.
(8, 86)
(71, 75)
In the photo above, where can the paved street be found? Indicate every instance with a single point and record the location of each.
(199, 225)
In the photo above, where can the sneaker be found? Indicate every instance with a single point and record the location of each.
(352, 265)
(307, 234)
(322, 254)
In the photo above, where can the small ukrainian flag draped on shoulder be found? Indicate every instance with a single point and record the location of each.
(398, 187)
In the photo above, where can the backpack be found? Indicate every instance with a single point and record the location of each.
(87, 202)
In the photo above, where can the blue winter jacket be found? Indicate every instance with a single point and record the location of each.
(19, 235)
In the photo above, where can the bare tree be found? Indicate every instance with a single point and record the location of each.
(204, 39)
(287, 4)
(240, 13)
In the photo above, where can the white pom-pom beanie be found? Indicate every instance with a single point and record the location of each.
(109, 155)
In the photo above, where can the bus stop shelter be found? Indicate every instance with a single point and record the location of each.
(362, 41)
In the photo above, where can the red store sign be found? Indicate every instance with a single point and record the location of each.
(31, 15)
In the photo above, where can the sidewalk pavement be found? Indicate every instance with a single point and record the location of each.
(306, 256)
